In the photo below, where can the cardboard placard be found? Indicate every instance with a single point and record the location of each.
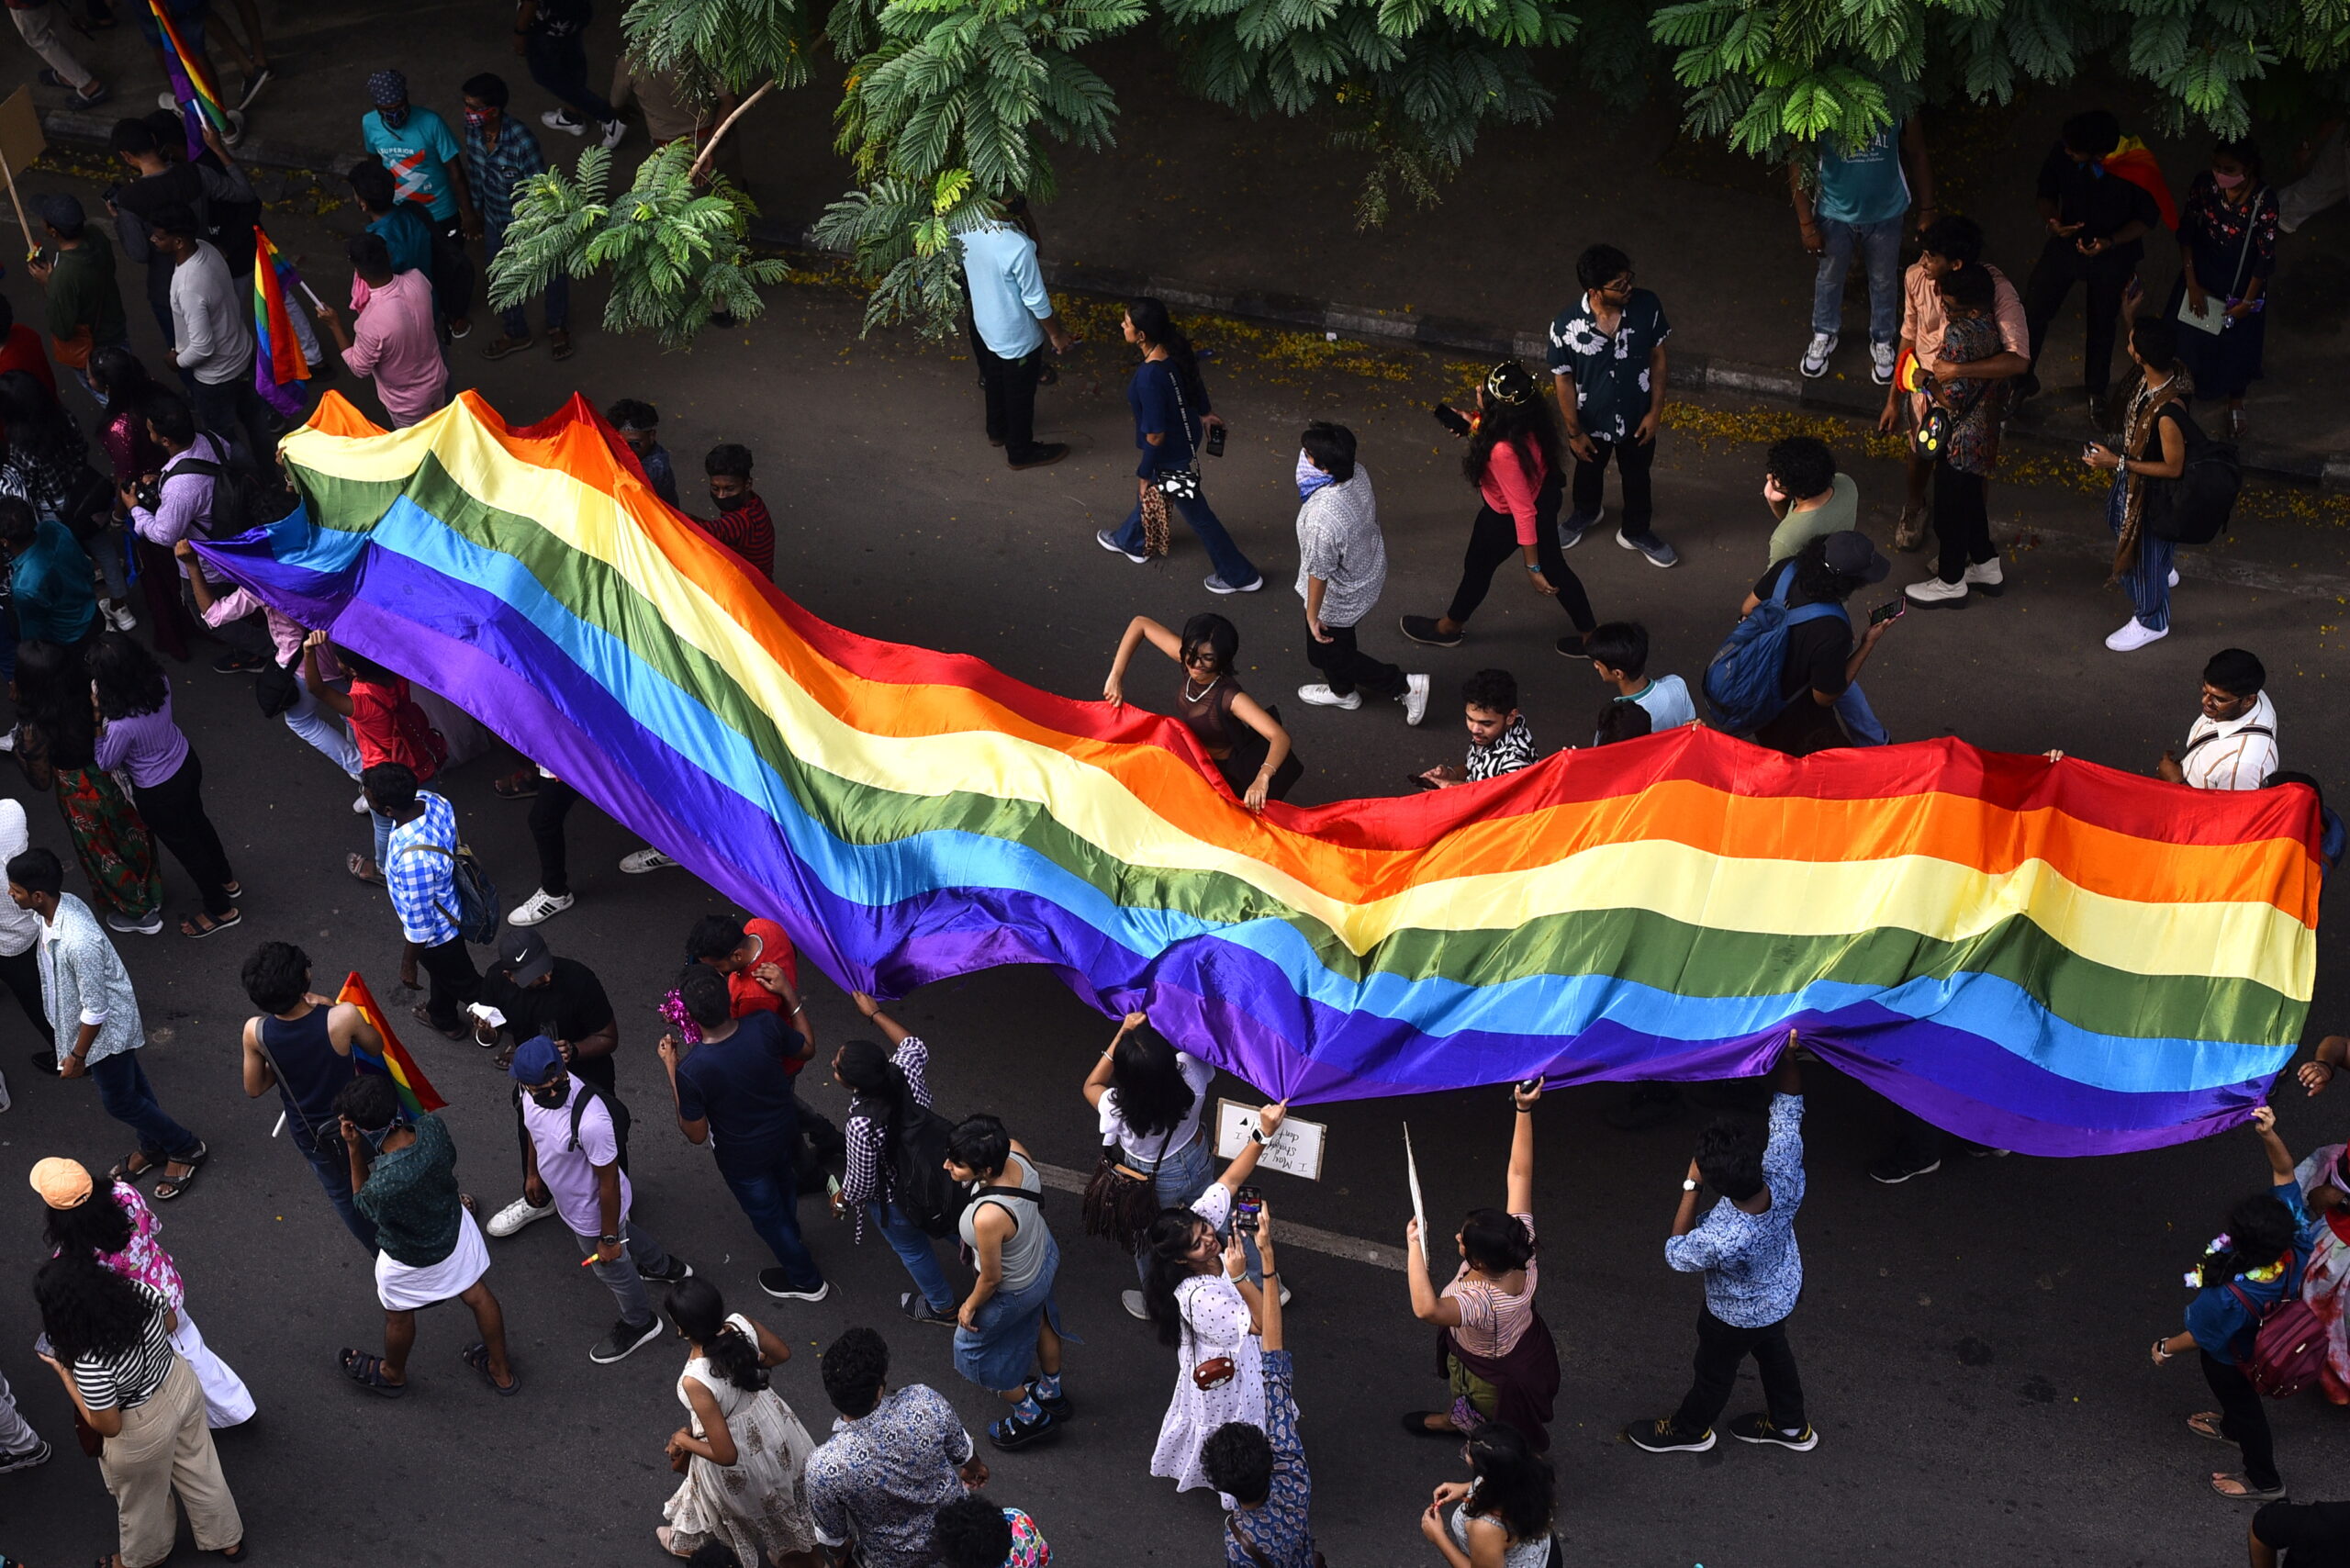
(1295, 1150)
(20, 138)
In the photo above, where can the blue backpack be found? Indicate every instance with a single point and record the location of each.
(1742, 682)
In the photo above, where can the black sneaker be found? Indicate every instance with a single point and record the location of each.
(1571, 648)
(37, 1454)
(1658, 1437)
(777, 1284)
(914, 1305)
(1895, 1169)
(1755, 1427)
(239, 664)
(46, 1061)
(625, 1336)
(1045, 455)
(678, 1273)
(1420, 629)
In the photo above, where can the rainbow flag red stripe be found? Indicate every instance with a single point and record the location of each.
(395, 1064)
(278, 362)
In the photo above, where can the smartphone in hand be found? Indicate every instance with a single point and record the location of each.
(1248, 1203)
(1451, 419)
(1892, 609)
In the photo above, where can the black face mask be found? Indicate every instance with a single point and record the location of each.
(551, 1097)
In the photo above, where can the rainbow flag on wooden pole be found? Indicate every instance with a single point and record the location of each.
(278, 362)
(416, 1089)
(198, 98)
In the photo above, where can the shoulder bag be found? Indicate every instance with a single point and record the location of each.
(1119, 1201)
(2213, 318)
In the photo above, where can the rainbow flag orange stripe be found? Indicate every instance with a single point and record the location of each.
(416, 1089)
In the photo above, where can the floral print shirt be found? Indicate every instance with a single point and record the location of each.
(1028, 1548)
(144, 1261)
(1276, 1532)
(2214, 233)
(1611, 371)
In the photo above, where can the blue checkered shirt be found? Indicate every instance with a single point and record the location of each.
(424, 885)
(493, 172)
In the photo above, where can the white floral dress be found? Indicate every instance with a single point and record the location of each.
(759, 1502)
(1215, 1322)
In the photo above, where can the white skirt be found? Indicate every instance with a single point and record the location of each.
(227, 1401)
(402, 1287)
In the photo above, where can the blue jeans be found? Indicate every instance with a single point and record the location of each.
(2148, 578)
(331, 1166)
(124, 1092)
(384, 826)
(911, 1242)
(517, 318)
(763, 1184)
(1880, 248)
(1230, 564)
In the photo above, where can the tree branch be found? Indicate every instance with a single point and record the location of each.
(701, 164)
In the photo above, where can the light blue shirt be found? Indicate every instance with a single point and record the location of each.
(1008, 298)
(1754, 1270)
(1866, 187)
(1667, 700)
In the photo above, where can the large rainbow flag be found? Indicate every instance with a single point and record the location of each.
(2056, 958)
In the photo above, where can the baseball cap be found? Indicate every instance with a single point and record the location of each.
(62, 1183)
(59, 210)
(524, 955)
(1851, 554)
(536, 1059)
(385, 89)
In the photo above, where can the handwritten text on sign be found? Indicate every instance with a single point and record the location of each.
(1295, 1150)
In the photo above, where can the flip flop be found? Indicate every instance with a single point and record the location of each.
(180, 1184)
(519, 784)
(2249, 1493)
(476, 1356)
(2206, 1424)
(424, 1015)
(367, 1371)
(356, 864)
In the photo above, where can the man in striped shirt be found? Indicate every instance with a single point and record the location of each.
(1499, 741)
(743, 524)
(2233, 743)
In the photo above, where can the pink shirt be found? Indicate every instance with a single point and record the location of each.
(393, 341)
(1923, 323)
(1508, 488)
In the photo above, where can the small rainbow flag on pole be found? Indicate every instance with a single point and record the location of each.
(198, 98)
(277, 361)
(395, 1064)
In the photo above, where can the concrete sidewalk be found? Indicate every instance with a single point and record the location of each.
(1214, 211)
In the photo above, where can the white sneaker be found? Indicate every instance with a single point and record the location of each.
(517, 1215)
(2133, 636)
(2174, 576)
(615, 132)
(1217, 585)
(1320, 695)
(9, 742)
(1882, 357)
(1985, 576)
(561, 119)
(1132, 1301)
(120, 614)
(1936, 594)
(541, 905)
(1814, 358)
(1415, 698)
(645, 860)
(359, 807)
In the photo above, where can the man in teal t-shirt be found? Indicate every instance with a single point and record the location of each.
(1856, 200)
(418, 147)
(49, 577)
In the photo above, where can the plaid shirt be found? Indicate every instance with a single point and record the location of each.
(424, 885)
(493, 172)
(867, 1180)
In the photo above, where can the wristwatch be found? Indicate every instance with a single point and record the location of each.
(1256, 1135)
(1687, 1185)
(610, 1240)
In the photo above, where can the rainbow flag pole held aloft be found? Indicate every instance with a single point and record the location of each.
(416, 1089)
(2053, 957)
(198, 98)
(278, 362)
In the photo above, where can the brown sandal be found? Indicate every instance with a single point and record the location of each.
(362, 869)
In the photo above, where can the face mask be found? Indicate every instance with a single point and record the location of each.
(393, 118)
(1309, 477)
(376, 1135)
(724, 503)
(2226, 182)
(476, 118)
(551, 1099)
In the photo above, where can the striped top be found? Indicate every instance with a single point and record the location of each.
(1492, 1320)
(129, 1379)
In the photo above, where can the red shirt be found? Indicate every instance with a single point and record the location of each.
(749, 532)
(390, 727)
(744, 990)
(23, 350)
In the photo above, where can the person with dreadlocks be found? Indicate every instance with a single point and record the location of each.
(2154, 447)
(1513, 460)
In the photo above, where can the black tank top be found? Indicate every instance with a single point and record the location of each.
(310, 1071)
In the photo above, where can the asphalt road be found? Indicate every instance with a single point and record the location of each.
(1972, 1343)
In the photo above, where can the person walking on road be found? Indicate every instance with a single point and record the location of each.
(1607, 357)
(19, 938)
(638, 424)
(2255, 1263)
(2232, 742)
(426, 162)
(1246, 741)
(2096, 226)
(883, 1094)
(2153, 447)
(745, 1450)
(734, 1090)
(743, 524)
(1494, 1348)
(212, 335)
(94, 1016)
(1261, 1466)
(138, 734)
(1513, 461)
(2227, 253)
(1172, 419)
(1010, 1321)
(1746, 1249)
(1013, 322)
(49, 578)
(165, 505)
(404, 1179)
(57, 740)
(1341, 567)
(1502, 1513)
(1151, 1100)
(1821, 660)
(420, 874)
(301, 1043)
(37, 25)
(394, 340)
(1619, 655)
(973, 1532)
(84, 303)
(310, 719)
(499, 155)
(1856, 201)
(386, 724)
(895, 1458)
(571, 1154)
(547, 35)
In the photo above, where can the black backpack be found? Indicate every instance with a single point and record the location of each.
(914, 1144)
(243, 497)
(2194, 508)
(579, 1107)
(821, 1152)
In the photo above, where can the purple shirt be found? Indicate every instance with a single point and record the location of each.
(148, 744)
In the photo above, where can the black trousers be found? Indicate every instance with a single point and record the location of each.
(1493, 540)
(2243, 1420)
(20, 972)
(2052, 277)
(1721, 1349)
(1961, 522)
(1345, 666)
(548, 807)
(1011, 386)
(174, 813)
(455, 981)
(1633, 461)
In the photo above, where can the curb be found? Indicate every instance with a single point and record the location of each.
(1692, 370)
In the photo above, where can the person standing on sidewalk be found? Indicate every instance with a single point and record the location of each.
(733, 1091)
(426, 163)
(1341, 567)
(548, 35)
(499, 155)
(571, 1154)
(884, 1092)
(94, 1016)
(1012, 320)
(37, 25)
(1976, 412)
(300, 1045)
(2227, 252)
(1856, 201)
(2153, 449)
(2096, 226)
(1172, 417)
(1608, 356)
(394, 339)
(1746, 1249)
(84, 302)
